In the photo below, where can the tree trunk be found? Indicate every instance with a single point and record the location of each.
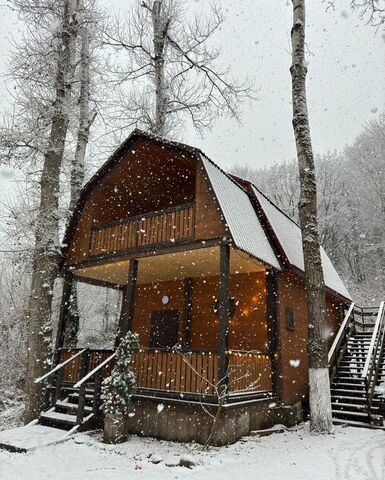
(47, 249)
(85, 121)
(320, 404)
(78, 169)
(160, 27)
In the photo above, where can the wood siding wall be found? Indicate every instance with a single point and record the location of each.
(150, 178)
(172, 225)
(248, 327)
(293, 358)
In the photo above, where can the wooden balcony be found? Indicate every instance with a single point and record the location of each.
(188, 372)
(166, 226)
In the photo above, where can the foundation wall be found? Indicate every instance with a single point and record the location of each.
(184, 422)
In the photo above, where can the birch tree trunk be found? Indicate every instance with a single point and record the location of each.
(160, 27)
(85, 121)
(78, 171)
(320, 402)
(47, 249)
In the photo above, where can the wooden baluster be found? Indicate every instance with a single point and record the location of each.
(59, 383)
(97, 392)
(82, 391)
(81, 403)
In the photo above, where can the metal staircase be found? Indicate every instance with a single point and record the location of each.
(356, 362)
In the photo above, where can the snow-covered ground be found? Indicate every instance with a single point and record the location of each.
(350, 453)
(11, 407)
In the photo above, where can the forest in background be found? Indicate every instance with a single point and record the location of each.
(97, 108)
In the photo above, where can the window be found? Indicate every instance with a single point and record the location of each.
(289, 319)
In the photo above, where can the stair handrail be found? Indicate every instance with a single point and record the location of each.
(340, 335)
(94, 371)
(370, 360)
(378, 363)
(82, 383)
(59, 366)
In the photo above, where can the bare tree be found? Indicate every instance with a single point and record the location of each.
(51, 70)
(373, 11)
(47, 249)
(172, 73)
(220, 389)
(320, 400)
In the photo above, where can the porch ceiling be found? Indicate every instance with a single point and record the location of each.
(159, 268)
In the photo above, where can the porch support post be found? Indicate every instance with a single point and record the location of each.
(126, 316)
(272, 326)
(63, 315)
(187, 312)
(224, 316)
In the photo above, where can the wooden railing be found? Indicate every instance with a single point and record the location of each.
(374, 357)
(249, 372)
(341, 341)
(72, 371)
(197, 372)
(193, 372)
(176, 372)
(166, 226)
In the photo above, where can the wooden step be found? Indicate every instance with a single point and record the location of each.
(348, 391)
(354, 406)
(69, 406)
(61, 420)
(353, 423)
(358, 386)
(349, 398)
(337, 413)
(57, 419)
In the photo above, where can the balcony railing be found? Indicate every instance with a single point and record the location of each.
(166, 226)
(188, 372)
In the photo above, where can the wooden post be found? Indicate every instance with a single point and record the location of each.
(272, 326)
(224, 316)
(126, 316)
(63, 316)
(187, 312)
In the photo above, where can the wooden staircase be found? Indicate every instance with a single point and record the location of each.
(74, 407)
(357, 368)
(65, 413)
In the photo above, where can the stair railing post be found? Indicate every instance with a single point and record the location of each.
(97, 392)
(59, 383)
(81, 403)
(84, 366)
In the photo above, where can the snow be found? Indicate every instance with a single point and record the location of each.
(348, 453)
(31, 437)
(289, 236)
(240, 216)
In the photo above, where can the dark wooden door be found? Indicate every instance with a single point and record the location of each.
(164, 329)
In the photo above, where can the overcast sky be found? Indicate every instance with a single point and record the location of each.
(345, 79)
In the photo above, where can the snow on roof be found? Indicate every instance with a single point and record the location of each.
(289, 236)
(240, 216)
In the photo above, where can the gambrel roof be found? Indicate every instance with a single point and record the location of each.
(255, 224)
(288, 234)
(240, 216)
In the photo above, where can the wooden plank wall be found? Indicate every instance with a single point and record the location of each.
(249, 372)
(171, 226)
(248, 327)
(293, 357)
(192, 372)
(72, 369)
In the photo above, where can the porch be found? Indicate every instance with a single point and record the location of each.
(205, 320)
(178, 374)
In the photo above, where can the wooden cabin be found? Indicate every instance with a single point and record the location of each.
(206, 262)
